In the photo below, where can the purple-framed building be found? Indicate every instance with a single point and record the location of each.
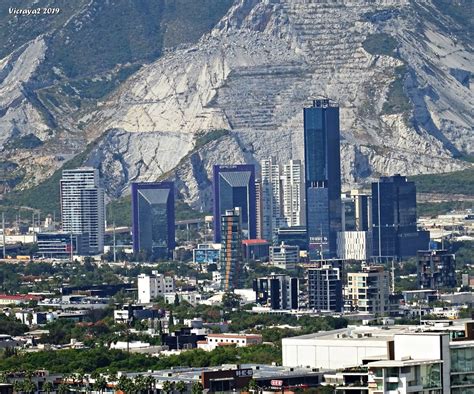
(234, 187)
(153, 226)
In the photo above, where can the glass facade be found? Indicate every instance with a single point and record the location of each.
(234, 187)
(394, 218)
(322, 178)
(153, 219)
(231, 249)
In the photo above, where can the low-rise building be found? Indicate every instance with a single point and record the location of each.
(152, 286)
(240, 340)
(285, 256)
(277, 292)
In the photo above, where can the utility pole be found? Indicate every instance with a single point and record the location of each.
(393, 276)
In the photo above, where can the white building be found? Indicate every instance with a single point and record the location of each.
(293, 194)
(240, 340)
(285, 256)
(152, 286)
(82, 206)
(354, 245)
(191, 297)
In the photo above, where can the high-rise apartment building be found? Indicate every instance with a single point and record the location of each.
(325, 288)
(278, 292)
(234, 187)
(368, 291)
(394, 227)
(271, 198)
(231, 249)
(293, 194)
(280, 194)
(436, 269)
(323, 177)
(83, 207)
(354, 245)
(363, 213)
(153, 226)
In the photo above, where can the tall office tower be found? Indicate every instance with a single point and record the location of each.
(368, 291)
(231, 249)
(293, 194)
(278, 292)
(153, 226)
(394, 227)
(234, 187)
(436, 269)
(325, 288)
(323, 177)
(82, 207)
(363, 213)
(259, 208)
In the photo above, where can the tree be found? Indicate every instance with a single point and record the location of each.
(150, 383)
(28, 386)
(100, 384)
(197, 388)
(230, 301)
(176, 299)
(167, 386)
(48, 387)
(253, 385)
(181, 387)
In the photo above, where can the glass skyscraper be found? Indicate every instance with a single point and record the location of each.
(322, 177)
(231, 249)
(395, 231)
(153, 219)
(234, 187)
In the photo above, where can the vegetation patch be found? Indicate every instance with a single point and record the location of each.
(397, 100)
(380, 44)
(458, 182)
(440, 208)
(29, 141)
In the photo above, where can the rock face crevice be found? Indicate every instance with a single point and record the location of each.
(406, 110)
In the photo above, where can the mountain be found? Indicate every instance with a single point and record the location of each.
(166, 89)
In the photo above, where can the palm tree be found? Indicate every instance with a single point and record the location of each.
(18, 386)
(29, 386)
(197, 388)
(167, 386)
(140, 383)
(48, 387)
(150, 383)
(100, 384)
(63, 389)
(181, 387)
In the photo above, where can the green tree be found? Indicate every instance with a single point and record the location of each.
(63, 389)
(197, 388)
(181, 387)
(48, 387)
(167, 386)
(100, 384)
(150, 383)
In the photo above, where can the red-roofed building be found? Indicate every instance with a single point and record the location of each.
(8, 299)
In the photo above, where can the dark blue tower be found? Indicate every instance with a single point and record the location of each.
(153, 227)
(234, 187)
(323, 177)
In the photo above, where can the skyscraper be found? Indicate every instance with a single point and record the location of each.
(270, 204)
(234, 187)
(323, 177)
(153, 226)
(394, 219)
(82, 207)
(293, 194)
(231, 249)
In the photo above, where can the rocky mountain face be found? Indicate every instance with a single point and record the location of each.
(400, 71)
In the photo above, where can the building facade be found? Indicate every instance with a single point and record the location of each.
(322, 177)
(277, 292)
(285, 256)
(152, 286)
(325, 288)
(293, 194)
(83, 206)
(231, 249)
(234, 187)
(153, 227)
(368, 291)
(61, 245)
(354, 245)
(394, 226)
(436, 269)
